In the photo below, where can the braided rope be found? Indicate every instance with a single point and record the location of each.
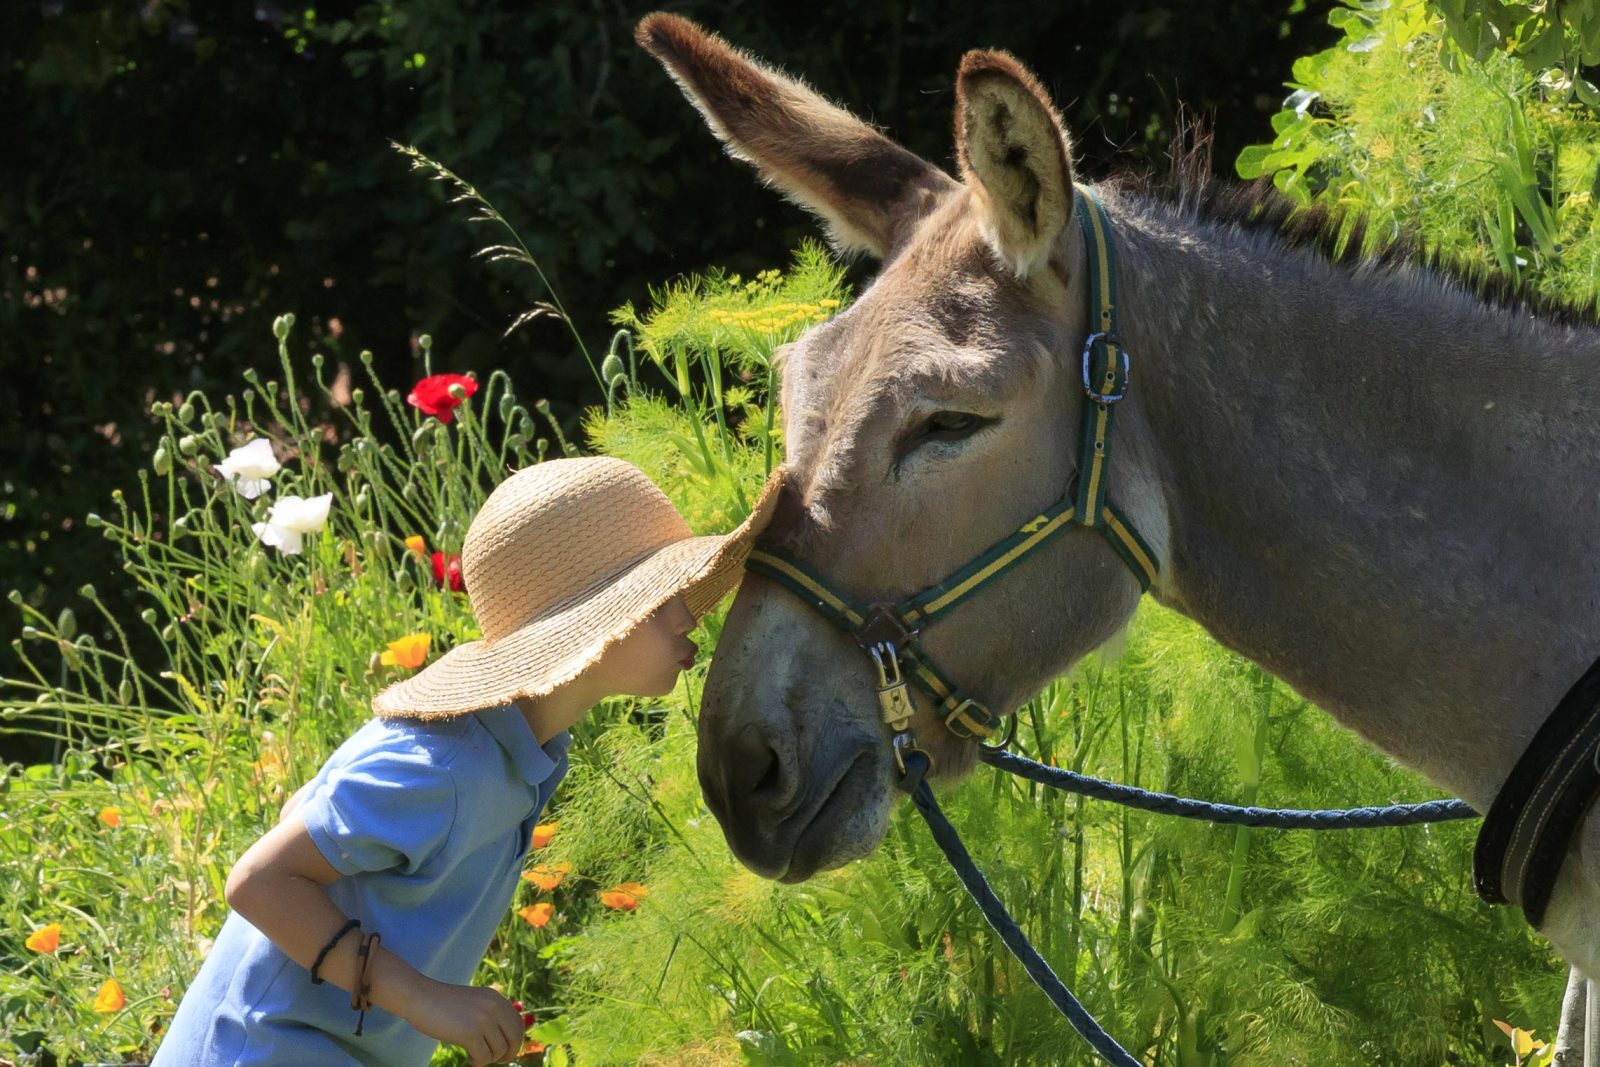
(950, 843)
(1228, 814)
(913, 781)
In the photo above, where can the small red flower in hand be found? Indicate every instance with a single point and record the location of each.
(432, 395)
(447, 571)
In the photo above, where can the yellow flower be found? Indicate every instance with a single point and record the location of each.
(112, 817)
(537, 914)
(45, 939)
(110, 997)
(543, 833)
(417, 545)
(409, 651)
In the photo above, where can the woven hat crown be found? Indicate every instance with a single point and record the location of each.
(553, 531)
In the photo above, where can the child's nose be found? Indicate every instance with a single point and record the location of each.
(684, 620)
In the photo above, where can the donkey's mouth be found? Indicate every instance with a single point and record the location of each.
(845, 825)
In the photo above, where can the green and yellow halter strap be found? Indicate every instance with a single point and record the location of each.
(888, 631)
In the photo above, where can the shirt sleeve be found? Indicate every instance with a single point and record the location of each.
(382, 811)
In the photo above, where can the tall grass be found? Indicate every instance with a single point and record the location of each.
(1196, 946)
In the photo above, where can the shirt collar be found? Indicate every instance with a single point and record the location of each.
(535, 763)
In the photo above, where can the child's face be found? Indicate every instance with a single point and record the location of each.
(648, 661)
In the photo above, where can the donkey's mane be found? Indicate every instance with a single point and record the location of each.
(1340, 235)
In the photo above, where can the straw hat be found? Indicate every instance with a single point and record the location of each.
(565, 558)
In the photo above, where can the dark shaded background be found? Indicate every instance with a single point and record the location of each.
(176, 174)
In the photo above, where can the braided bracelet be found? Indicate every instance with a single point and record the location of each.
(360, 992)
(353, 924)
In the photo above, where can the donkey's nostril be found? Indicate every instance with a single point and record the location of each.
(769, 780)
(755, 771)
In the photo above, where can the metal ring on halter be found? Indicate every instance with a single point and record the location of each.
(903, 742)
(1005, 742)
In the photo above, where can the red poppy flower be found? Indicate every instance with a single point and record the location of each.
(447, 569)
(431, 395)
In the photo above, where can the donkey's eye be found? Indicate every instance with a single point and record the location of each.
(952, 425)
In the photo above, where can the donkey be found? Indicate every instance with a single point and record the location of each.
(1381, 486)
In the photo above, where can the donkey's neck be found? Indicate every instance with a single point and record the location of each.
(1381, 489)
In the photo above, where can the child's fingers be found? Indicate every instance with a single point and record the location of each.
(505, 1039)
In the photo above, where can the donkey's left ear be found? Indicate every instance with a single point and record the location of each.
(1014, 156)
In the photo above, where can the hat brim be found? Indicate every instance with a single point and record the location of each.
(556, 646)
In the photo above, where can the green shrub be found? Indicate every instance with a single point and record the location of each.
(1486, 162)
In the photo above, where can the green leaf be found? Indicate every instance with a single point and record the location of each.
(1252, 161)
(557, 1031)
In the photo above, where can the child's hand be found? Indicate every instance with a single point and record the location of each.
(480, 1020)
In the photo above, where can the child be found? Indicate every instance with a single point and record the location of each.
(359, 918)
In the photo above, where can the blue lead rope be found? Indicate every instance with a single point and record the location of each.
(944, 835)
(950, 843)
(1228, 814)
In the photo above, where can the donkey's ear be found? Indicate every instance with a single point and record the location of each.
(1014, 155)
(865, 187)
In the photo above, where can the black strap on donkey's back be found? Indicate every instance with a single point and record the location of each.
(1529, 827)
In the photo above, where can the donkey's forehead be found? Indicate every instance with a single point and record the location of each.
(940, 292)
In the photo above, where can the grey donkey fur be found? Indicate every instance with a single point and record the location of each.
(1379, 486)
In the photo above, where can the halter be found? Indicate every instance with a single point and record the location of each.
(888, 630)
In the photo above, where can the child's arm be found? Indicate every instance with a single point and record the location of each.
(277, 886)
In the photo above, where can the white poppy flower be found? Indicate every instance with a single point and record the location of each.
(290, 519)
(250, 467)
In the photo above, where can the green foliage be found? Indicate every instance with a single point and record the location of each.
(1553, 41)
(715, 338)
(1483, 161)
(177, 174)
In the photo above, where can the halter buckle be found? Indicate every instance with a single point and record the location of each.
(894, 697)
(882, 625)
(1113, 385)
(957, 721)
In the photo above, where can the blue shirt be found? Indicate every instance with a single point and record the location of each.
(428, 822)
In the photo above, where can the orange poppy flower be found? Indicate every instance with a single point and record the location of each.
(537, 914)
(624, 897)
(547, 876)
(543, 833)
(112, 817)
(409, 651)
(417, 545)
(530, 1047)
(110, 997)
(45, 939)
